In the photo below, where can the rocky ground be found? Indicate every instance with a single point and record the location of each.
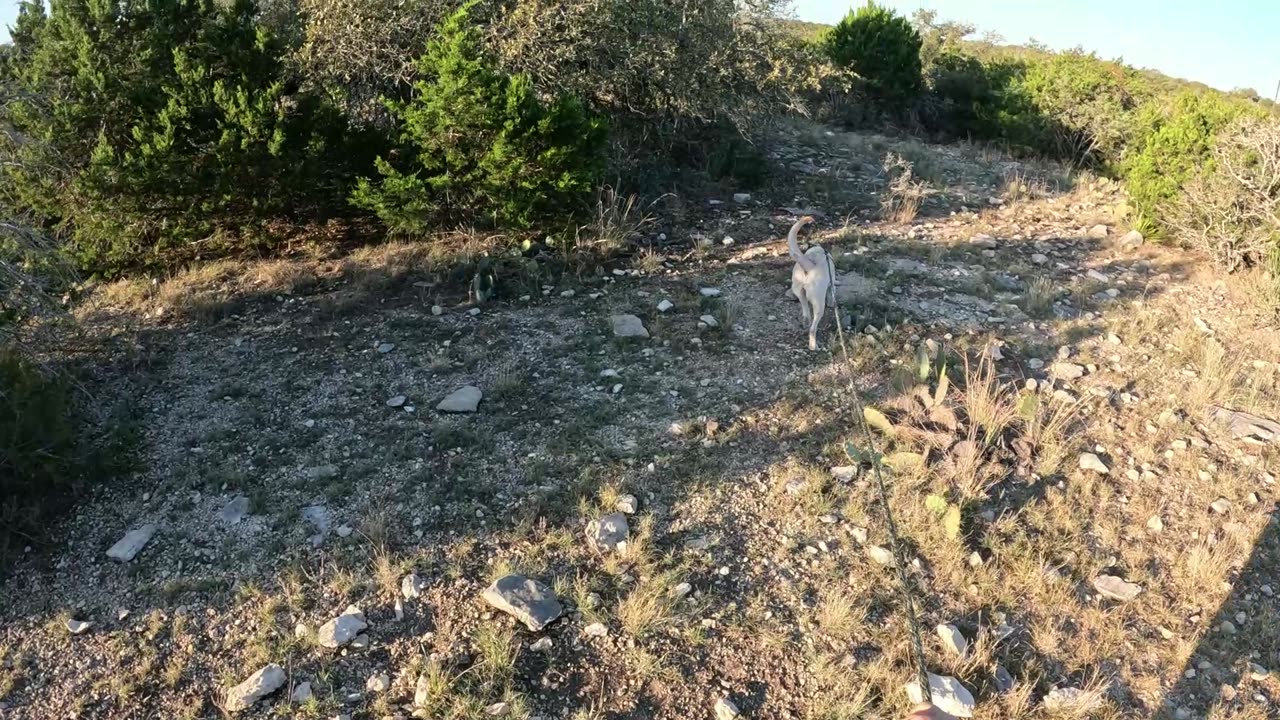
(650, 511)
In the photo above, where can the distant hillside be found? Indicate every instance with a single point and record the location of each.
(806, 30)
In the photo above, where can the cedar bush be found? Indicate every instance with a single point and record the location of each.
(146, 126)
(476, 142)
(883, 48)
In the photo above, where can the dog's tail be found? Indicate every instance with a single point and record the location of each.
(794, 247)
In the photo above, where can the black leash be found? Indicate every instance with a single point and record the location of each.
(899, 556)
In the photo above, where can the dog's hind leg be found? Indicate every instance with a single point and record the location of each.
(819, 307)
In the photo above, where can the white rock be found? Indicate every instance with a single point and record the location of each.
(1076, 700)
(726, 710)
(128, 547)
(1039, 258)
(463, 400)
(665, 305)
(302, 693)
(709, 320)
(396, 401)
(257, 686)
(681, 590)
(1066, 371)
(880, 555)
(1097, 232)
(378, 682)
(609, 532)
(411, 586)
(75, 627)
(984, 241)
(1089, 461)
(235, 511)
(953, 640)
(947, 694)
(498, 709)
(541, 645)
(1220, 506)
(342, 629)
(742, 198)
(709, 292)
(422, 691)
(1155, 524)
(385, 348)
(1131, 240)
(626, 326)
(595, 630)
(627, 504)
(1110, 586)
(437, 310)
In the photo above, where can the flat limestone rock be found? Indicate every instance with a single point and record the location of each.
(609, 532)
(526, 600)
(463, 400)
(235, 511)
(946, 693)
(1116, 588)
(128, 547)
(342, 629)
(627, 326)
(257, 686)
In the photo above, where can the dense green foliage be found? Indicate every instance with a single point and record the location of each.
(37, 442)
(149, 126)
(882, 48)
(477, 142)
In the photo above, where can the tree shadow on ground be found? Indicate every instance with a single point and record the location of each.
(515, 478)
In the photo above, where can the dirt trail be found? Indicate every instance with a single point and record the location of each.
(293, 462)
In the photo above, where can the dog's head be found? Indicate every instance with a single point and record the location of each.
(807, 219)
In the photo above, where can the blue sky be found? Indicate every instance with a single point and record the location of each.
(1225, 44)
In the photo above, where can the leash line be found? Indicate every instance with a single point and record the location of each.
(899, 557)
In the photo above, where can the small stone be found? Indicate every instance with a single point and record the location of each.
(396, 401)
(709, 321)
(528, 601)
(344, 531)
(259, 685)
(1089, 461)
(398, 608)
(1003, 680)
(725, 710)
(1110, 586)
(628, 326)
(379, 682)
(302, 693)
(1227, 627)
(709, 292)
(128, 547)
(498, 709)
(946, 693)
(665, 305)
(597, 630)
(1066, 371)
(1221, 506)
(681, 590)
(342, 629)
(235, 511)
(75, 627)
(463, 400)
(422, 691)
(567, 293)
(984, 241)
(385, 348)
(975, 560)
(627, 504)
(1131, 240)
(607, 533)
(880, 555)
(1097, 232)
(1155, 524)
(1070, 698)
(437, 310)
(1039, 258)
(541, 645)
(1035, 363)
(1096, 275)
(411, 586)
(742, 198)
(953, 640)
(1257, 673)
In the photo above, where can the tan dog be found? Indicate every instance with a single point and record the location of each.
(810, 280)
